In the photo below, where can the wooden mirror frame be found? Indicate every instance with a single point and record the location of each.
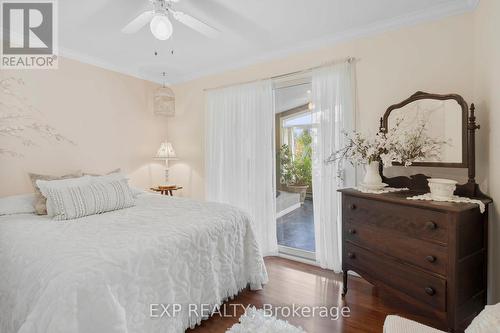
(418, 182)
(420, 95)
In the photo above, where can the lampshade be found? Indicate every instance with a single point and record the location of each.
(166, 152)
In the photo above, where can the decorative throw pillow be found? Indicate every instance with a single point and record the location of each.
(71, 199)
(62, 183)
(108, 173)
(135, 190)
(40, 201)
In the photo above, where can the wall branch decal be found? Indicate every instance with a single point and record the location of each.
(20, 120)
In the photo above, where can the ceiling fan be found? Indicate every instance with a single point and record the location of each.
(159, 22)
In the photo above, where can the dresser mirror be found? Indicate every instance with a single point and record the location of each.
(445, 119)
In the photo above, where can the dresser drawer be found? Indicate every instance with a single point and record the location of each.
(427, 255)
(414, 222)
(419, 285)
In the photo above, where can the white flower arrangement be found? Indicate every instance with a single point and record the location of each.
(397, 145)
(360, 148)
(406, 146)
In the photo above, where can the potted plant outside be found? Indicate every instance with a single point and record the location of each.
(296, 169)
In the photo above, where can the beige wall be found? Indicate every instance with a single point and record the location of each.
(434, 57)
(487, 96)
(459, 54)
(106, 115)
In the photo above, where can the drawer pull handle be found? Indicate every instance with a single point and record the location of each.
(430, 291)
(351, 255)
(430, 258)
(431, 225)
(352, 231)
(352, 206)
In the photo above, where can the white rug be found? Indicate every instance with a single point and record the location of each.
(256, 321)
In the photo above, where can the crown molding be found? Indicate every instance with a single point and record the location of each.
(415, 18)
(87, 59)
(432, 14)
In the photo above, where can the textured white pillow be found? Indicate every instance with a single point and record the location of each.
(59, 184)
(75, 198)
(18, 204)
(117, 173)
(110, 176)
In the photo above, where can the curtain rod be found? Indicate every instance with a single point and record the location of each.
(333, 62)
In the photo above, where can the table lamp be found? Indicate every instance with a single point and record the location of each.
(166, 153)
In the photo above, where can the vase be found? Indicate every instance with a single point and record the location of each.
(372, 175)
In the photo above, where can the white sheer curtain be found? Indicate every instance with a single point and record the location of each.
(333, 96)
(240, 159)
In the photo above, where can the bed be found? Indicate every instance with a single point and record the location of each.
(108, 272)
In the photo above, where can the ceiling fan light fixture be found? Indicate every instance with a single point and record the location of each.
(161, 27)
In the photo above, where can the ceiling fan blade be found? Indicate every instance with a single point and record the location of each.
(195, 24)
(137, 23)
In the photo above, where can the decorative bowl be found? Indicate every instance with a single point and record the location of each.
(442, 189)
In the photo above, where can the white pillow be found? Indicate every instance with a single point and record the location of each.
(60, 183)
(108, 177)
(18, 204)
(116, 174)
(74, 198)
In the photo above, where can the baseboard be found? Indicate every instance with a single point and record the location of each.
(299, 259)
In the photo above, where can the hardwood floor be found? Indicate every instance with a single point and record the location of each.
(305, 285)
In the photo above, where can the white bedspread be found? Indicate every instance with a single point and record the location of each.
(101, 273)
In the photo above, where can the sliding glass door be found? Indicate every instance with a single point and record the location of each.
(294, 199)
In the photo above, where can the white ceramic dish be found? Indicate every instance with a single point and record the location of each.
(373, 187)
(442, 189)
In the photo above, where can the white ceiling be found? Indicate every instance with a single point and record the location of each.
(290, 97)
(251, 31)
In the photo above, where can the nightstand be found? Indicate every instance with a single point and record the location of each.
(166, 190)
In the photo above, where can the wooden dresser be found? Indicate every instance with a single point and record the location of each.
(432, 255)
